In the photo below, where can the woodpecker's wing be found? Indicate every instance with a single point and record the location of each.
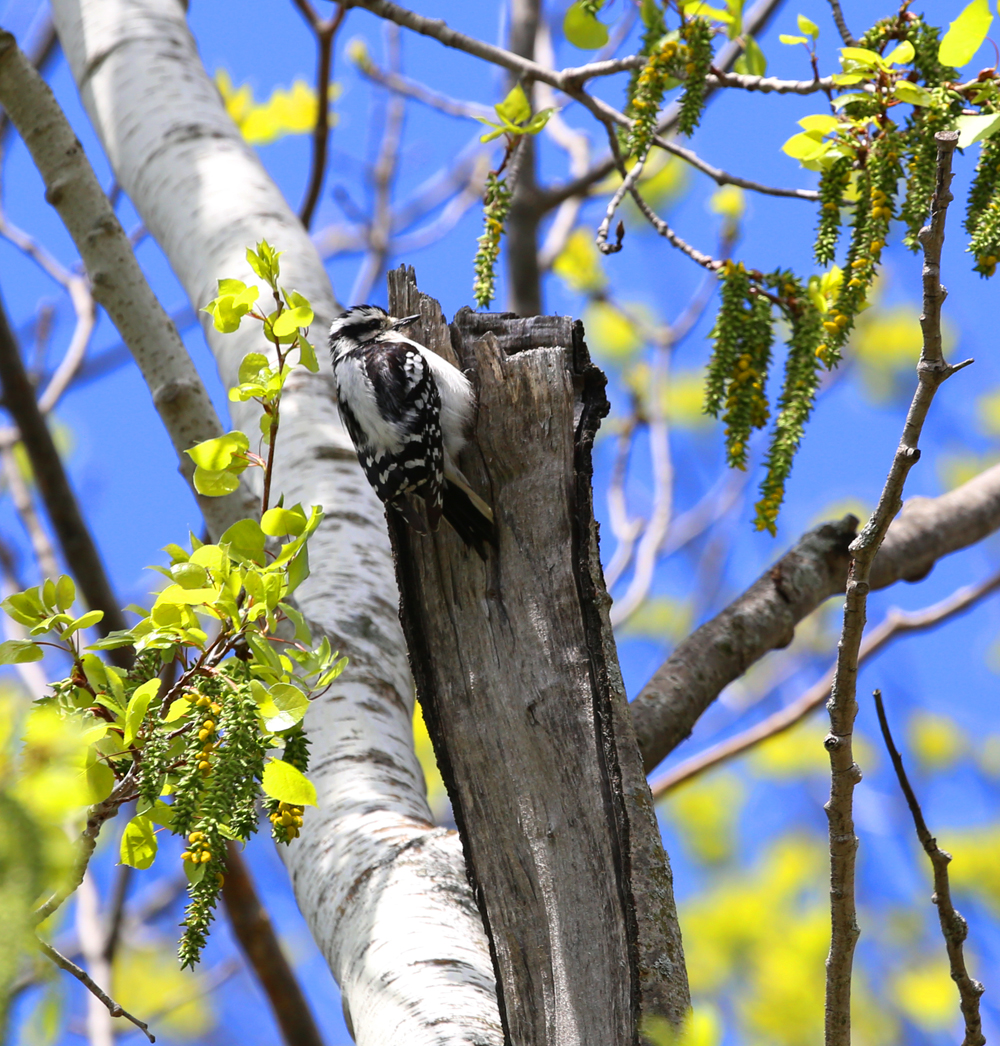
(390, 404)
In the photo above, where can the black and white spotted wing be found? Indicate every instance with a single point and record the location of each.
(391, 407)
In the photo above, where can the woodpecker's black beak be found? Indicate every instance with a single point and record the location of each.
(404, 322)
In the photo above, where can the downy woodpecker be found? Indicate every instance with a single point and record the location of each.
(407, 411)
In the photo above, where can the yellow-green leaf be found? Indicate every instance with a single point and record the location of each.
(214, 484)
(138, 846)
(92, 617)
(178, 709)
(307, 355)
(821, 122)
(251, 365)
(914, 94)
(137, 705)
(19, 652)
(901, 54)
(217, 454)
(291, 319)
(583, 30)
(966, 34)
(284, 782)
(786, 39)
(277, 522)
(284, 707)
(808, 27)
(65, 592)
(804, 147)
(975, 128)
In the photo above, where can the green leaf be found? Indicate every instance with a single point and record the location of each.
(912, 93)
(175, 595)
(277, 522)
(901, 54)
(264, 262)
(246, 540)
(179, 708)
(583, 30)
(251, 366)
(298, 569)
(821, 122)
(649, 12)
(99, 777)
(189, 575)
(136, 711)
(232, 287)
(160, 813)
(284, 707)
(752, 62)
(862, 56)
(19, 652)
(786, 39)
(176, 553)
(975, 128)
(515, 108)
(699, 9)
(307, 355)
(23, 608)
(284, 782)
(214, 484)
(808, 27)
(92, 617)
(114, 640)
(291, 319)
(138, 846)
(49, 594)
(847, 79)
(804, 147)
(966, 34)
(302, 633)
(65, 592)
(735, 9)
(215, 455)
(194, 872)
(94, 670)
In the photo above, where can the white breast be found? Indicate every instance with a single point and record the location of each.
(355, 389)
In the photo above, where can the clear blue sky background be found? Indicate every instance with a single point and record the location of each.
(125, 472)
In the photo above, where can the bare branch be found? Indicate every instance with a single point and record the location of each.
(262, 950)
(72, 532)
(383, 175)
(953, 926)
(113, 1008)
(40, 53)
(119, 284)
(931, 371)
(421, 92)
(896, 623)
(838, 17)
(326, 32)
(25, 509)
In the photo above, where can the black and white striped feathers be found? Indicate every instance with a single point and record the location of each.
(407, 411)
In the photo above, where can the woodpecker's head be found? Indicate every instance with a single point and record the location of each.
(362, 324)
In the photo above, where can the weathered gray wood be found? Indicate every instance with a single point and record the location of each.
(516, 669)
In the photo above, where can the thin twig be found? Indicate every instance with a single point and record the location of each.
(895, 623)
(325, 30)
(932, 370)
(100, 1031)
(953, 926)
(113, 1008)
(79, 549)
(421, 92)
(383, 176)
(24, 506)
(628, 182)
(838, 17)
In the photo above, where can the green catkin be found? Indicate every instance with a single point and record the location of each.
(872, 215)
(921, 168)
(645, 103)
(982, 218)
(738, 369)
(834, 180)
(697, 34)
(795, 404)
(496, 205)
(651, 38)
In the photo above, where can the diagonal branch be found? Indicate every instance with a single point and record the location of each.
(838, 17)
(84, 978)
(953, 926)
(72, 532)
(419, 92)
(896, 623)
(119, 284)
(764, 617)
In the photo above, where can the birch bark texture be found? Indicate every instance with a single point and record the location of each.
(518, 677)
(384, 891)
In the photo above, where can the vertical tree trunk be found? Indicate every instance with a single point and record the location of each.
(516, 669)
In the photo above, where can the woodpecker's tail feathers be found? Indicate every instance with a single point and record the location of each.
(470, 516)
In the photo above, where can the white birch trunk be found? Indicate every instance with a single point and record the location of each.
(384, 892)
